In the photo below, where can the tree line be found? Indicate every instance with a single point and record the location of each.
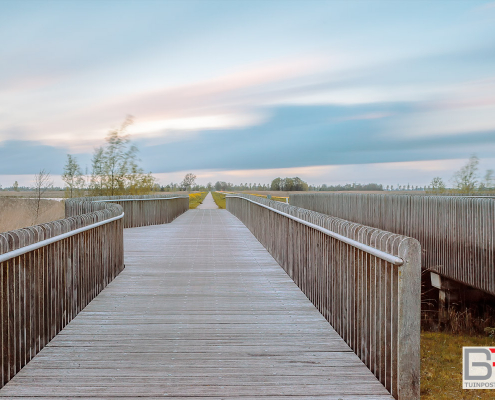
(466, 181)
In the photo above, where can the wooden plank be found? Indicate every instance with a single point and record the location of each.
(201, 311)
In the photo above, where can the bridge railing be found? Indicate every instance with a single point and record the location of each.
(366, 282)
(138, 210)
(50, 272)
(457, 233)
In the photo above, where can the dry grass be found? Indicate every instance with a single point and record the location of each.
(16, 213)
(54, 194)
(441, 366)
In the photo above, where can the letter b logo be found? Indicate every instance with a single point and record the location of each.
(478, 368)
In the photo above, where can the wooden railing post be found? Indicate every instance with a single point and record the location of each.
(409, 319)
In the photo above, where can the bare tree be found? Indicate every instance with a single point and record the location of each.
(188, 181)
(42, 182)
(466, 179)
(72, 177)
(488, 182)
(437, 185)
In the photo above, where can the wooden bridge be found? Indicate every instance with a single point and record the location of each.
(202, 310)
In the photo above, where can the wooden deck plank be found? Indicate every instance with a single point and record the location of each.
(201, 311)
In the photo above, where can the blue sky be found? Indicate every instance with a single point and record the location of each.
(332, 91)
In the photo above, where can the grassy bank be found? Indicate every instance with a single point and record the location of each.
(441, 366)
(219, 199)
(195, 199)
(16, 213)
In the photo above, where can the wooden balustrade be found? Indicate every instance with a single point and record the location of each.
(365, 281)
(457, 234)
(50, 272)
(151, 210)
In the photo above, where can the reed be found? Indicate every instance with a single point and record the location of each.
(16, 213)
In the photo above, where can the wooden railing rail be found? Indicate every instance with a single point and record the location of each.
(50, 272)
(365, 281)
(457, 233)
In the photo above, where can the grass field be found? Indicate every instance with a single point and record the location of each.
(441, 366)
(53, 194)
(219, 199)
(195, 199)
(16, 213)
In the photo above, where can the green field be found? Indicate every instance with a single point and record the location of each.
(441, 366)
(219, 199)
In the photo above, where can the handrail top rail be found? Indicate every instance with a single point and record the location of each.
(35, 246)
(361, 246)
(392, 195)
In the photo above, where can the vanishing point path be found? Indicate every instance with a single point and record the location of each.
(201, 311)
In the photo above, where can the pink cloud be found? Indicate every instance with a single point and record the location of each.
(226, 100)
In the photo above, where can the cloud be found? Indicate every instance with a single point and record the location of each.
(289, 137)
(20, 157)
(297, 137)
(228, 101)
(241, 99)
(459, 109)
(487, 6)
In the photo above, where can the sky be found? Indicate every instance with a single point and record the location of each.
(392, 92)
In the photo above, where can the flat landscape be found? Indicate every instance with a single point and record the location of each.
(16, 213)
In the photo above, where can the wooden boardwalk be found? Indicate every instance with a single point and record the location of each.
(201, 311)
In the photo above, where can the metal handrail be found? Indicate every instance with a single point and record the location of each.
(361, 246)
(26, 249)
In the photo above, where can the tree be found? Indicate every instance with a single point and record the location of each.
(489, 180)
(15, 186)
(188, 181)
(42, 182)
(299, 184)
(72, 177)
(289, 184)
(114, 166)
(466, 179)
(275, 185)
(118, 157)
(98, 172)
(437, 185)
